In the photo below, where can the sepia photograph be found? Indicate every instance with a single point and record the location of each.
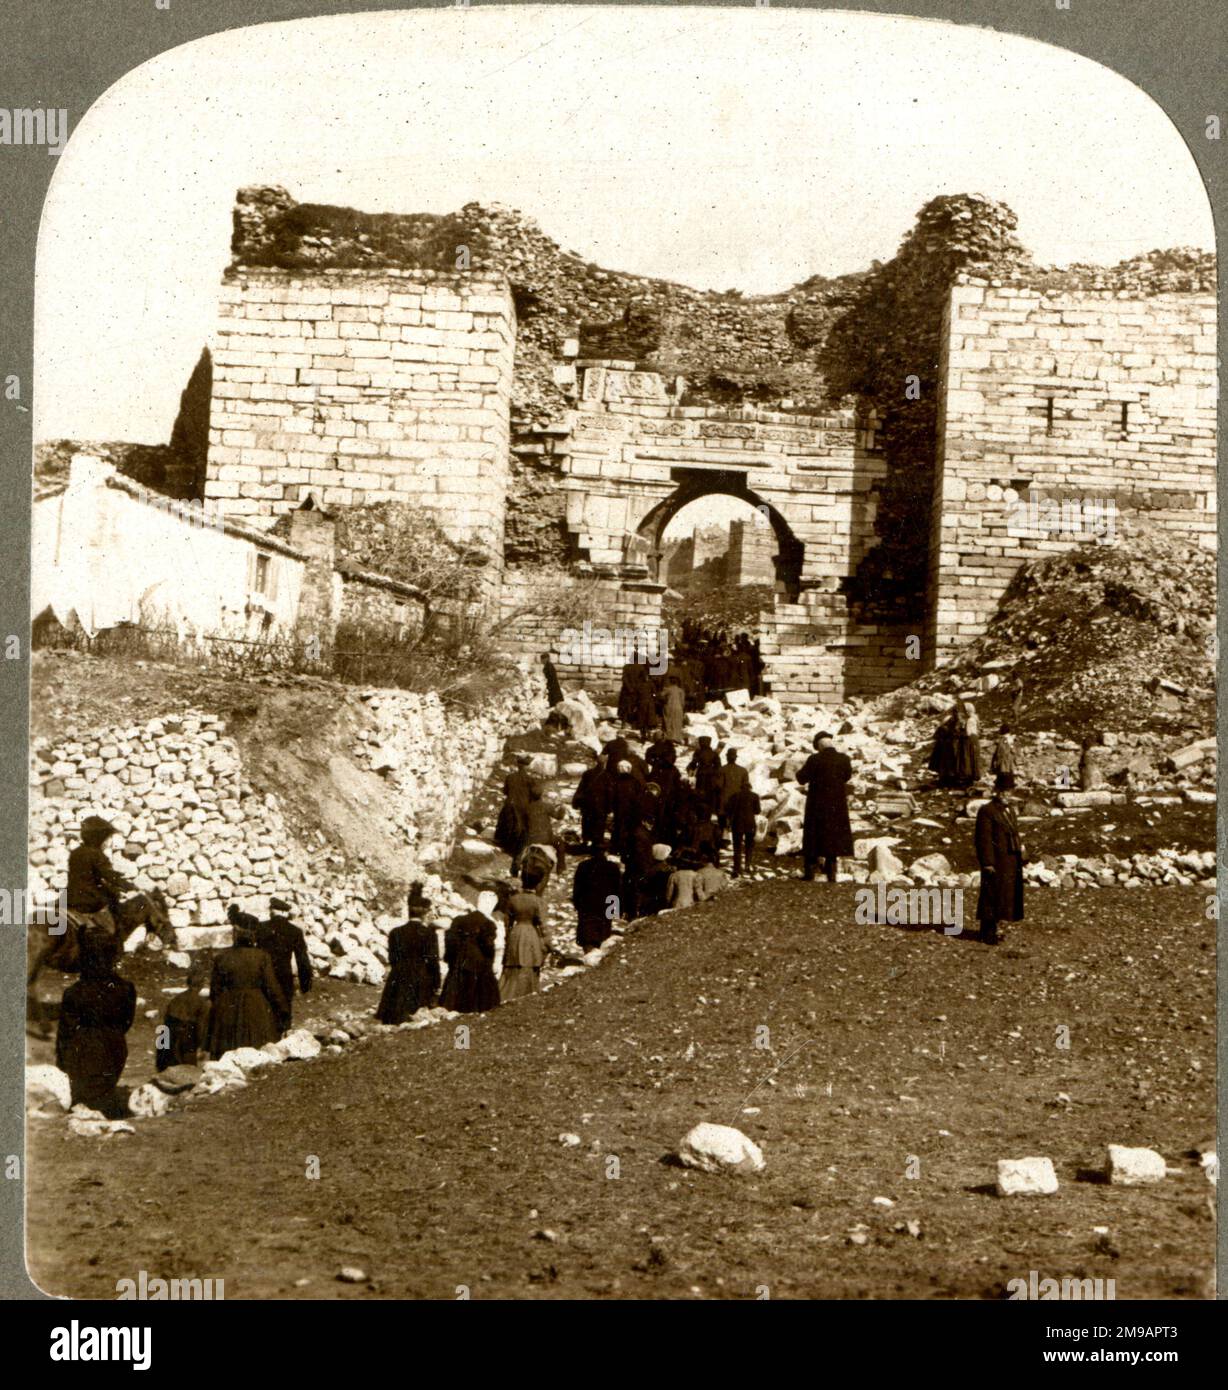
(623, 669)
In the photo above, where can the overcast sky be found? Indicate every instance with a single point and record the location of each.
(741, 148)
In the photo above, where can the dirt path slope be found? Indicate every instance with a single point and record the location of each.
(890, 1051)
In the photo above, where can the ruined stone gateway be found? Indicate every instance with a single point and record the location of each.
(903, 432)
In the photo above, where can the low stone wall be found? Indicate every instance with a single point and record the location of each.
(191, 822)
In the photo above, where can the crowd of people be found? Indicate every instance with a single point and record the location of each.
(701, 670)
(250, 985)
(653, 832)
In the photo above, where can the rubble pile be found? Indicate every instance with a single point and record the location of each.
(1104, 636)
(192, 825)
(889, 784)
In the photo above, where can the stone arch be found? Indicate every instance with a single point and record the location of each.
(789, 550)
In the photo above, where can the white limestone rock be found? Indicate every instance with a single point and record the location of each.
(581, 723)
(1131, 1167)
(881, 861)
(931, 866)
(543, 765)
(719, 1149)
(1026, 1177)
(300, 1045)
(147, 1102)
(48, 1085)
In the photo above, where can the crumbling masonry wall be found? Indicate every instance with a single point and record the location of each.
(558, 413)
(364, 386)
(630, 455)
(1101, 399)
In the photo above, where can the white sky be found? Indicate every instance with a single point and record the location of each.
(724, 148)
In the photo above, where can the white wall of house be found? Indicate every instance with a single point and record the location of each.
(107, 552)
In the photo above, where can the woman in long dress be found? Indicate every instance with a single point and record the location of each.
(512, 826)
(413, 968)
(469, 950)
(967, 745)
(95, 1014)
(673, 715)
(942, 758)
(525, 951)
(245, 1000)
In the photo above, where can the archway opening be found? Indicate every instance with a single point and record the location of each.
(715, 543)
(711, 536)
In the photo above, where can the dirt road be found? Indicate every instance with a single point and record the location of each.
(888, 1052)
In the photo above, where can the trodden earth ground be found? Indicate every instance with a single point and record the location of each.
(868, 1061)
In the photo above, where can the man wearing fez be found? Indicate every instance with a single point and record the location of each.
(287, 947)
(826, 832)
(999, 849)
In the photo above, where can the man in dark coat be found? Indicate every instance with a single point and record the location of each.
(592, 800)
(627, 802)
(999, 849)
(287, 949)
(618, 750)
(734, 780)
(512, 825)
(96, 1013)
(742, 811)
(413, 966)
(638, 861)
(826, 833)
(705, 767)
(596, 894)
(639, 708)
(554, 691)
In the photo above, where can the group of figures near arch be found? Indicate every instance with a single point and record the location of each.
(703, 668)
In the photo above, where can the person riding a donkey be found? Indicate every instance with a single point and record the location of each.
(93, 897)
(94, 912)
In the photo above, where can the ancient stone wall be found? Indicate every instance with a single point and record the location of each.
(363, 386)
(191, 821)
(1065, 410)
(725, 342)
(613, 606)
(379, 606)
(750, 554)
(630, 456)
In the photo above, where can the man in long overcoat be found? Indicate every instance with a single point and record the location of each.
(999, 849)
(595, 894)
(287, 948)
(826, 833)
(592, 799)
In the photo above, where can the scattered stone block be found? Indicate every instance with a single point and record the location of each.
(1082, 800)
(1026, 1177)
(882, 861)
(147, 1102)
(203, 938)
(48, 1084)
(1130, 1167)
(931, 866)
(543, 765)
(180, 1077)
